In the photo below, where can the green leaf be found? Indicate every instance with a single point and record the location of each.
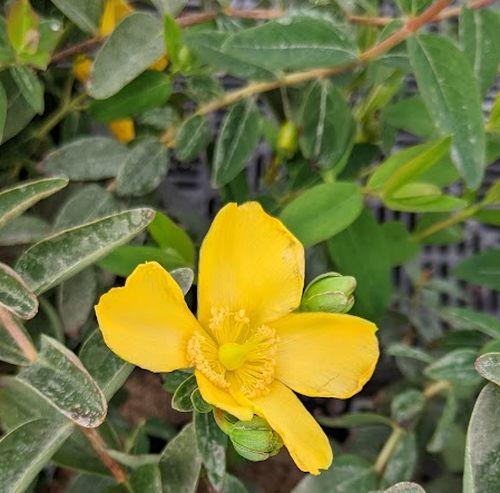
(292, 43)
(422, 197)
(467, 319)
(407, 166)
(23, 230)
(481, 269)
(456, 366)
(403, 461)
(350, 474)
(85, 14)
(30, 86)
(87, 159)
(143, 170)
(76, 298)
(488, 366)
(410, 115)
(236, 142)
(180, 463)
(407, 405)
(107, 369)
(399, 241)
(405, 487)
(450, 91)
(173, 379)
(479, 35)
(353, 420)
(192, 138)
(15, 296)
(323, 211)
(3, 110)
(22, 26)
(50, 32)
(58, 257)
(124, 259)
(60, 378)
(368, 262)
(444, 424)
(401, 350)
(328, 126)
(173, 39)
(199, 404)
(208, 46)
(184, 277)
(25, 450)
(481, 471)
(169, 237)
(9, 349)
(150, 90)
(452, 234)
(181, 400)
(7, 55)
(14, 201)
(212, 443)
(85, 204)
(19, 112)
(133, 46)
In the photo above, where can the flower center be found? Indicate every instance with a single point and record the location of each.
(232, 352)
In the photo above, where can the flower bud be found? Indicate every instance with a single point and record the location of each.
(330, 292)
(287, 139)
(255, 440)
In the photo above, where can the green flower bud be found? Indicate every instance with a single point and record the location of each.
(287, 139)
(330, 292)
(254, 440)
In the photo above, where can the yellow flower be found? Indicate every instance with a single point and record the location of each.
(123, 130)
(248, 350)
(114, 11)
(82, 68)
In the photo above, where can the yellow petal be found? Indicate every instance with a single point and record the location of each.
(114, 11)
(123, 130)
(221, 398)
(82, 68)
(147, 321)
(301, 434)
(160, 65)
(325, 354)
(250, 261)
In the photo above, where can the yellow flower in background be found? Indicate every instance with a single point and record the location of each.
(114, 11)
(250, 352)
(123, 130)
(82, 68)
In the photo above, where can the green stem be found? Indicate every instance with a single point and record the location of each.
(388, 449)
(435, 389)
(58, 115)
(446, 223)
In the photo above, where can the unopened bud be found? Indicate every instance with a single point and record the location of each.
(287, 139)
(254, 440)
(330, 292)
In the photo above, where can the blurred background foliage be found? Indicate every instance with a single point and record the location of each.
(370, 128)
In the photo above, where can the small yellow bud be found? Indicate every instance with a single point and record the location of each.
(287, 139)
(123, 130)
(82, 68)
(160, 65)
(114, 11)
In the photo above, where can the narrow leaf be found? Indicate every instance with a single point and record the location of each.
(236, 141)
(450, 91)
(26, 449)
(60, 378)
(58, 257)
(14, 201)
(30, 86)
(15, 296)
(87, 159)
(133, 46)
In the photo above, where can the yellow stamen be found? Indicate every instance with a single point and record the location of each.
(232, 350)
